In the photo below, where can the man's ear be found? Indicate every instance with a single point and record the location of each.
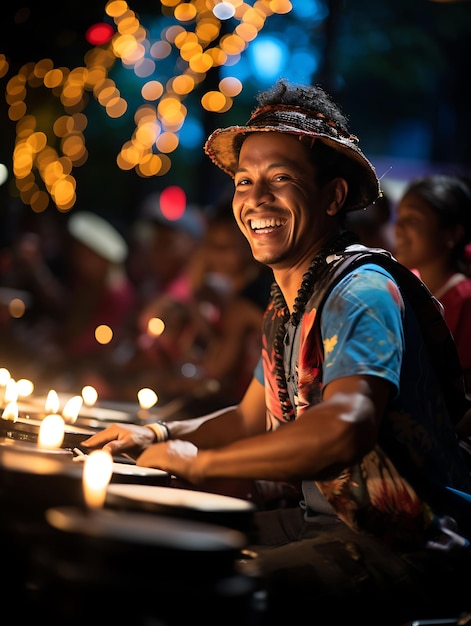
(338, 190)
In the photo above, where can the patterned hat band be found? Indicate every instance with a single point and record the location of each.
(301, 120)
(223, 145)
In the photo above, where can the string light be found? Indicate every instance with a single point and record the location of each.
(44, 158)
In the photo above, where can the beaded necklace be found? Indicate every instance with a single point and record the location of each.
(316, 270)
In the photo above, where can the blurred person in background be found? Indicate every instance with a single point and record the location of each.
(159, 264)
(161, 251)
(231, 292)
(210, 343)
(433, 232)
(33, 270)
(98, 293)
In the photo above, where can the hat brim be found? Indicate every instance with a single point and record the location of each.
(223, 146)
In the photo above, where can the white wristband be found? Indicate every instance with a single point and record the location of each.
(160, 430)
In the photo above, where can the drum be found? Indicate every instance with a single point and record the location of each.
(129, 567)
(31, 481)
(27, 429)
(129, 473)
(222, 510)
(20, 446)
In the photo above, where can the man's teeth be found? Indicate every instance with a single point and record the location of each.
(266, 223)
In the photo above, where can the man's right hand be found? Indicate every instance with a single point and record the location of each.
(129, 439)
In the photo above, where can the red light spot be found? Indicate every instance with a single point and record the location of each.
(99, 34)
(173, 202)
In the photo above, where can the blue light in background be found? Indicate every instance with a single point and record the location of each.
(303, 65)
(311, 9)
(191, 135)
(241, 70)
(268, 56)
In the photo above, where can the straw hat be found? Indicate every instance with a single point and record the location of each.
(99, 235)
(223, 145)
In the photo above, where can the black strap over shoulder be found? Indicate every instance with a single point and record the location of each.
(437, 336)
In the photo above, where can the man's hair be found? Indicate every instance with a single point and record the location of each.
(310, 97)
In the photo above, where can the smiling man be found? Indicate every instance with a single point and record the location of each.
(347, 400)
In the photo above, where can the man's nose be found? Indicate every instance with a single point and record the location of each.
(260, 193)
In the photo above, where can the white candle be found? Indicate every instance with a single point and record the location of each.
(25, 387)
(89, 395)
(10, 412)
(11, 391)
(52, 402)
(147, 398)
(97, 472)
(51, 432)
(4, 378)
(72, 408)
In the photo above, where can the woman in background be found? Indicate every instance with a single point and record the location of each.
(433, 233)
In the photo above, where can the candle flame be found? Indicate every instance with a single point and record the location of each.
(11, 391)
(89, 395)
(52, 402)
(97, 472)
(72, 408)
(147, 398)
(10, 412)
(4, 376)
(25, 387)
(51, 431)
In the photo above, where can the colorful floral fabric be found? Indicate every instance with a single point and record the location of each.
(368, 328)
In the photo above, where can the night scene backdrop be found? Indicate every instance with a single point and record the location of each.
(104, 103)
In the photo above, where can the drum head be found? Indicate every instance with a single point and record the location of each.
(186, 503)
(129, 473)
(136, 528)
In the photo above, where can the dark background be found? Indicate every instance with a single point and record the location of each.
(399, 68)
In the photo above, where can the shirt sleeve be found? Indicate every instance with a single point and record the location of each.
(258, 372)
(362, 326)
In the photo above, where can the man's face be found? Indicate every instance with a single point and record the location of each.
(277, 203)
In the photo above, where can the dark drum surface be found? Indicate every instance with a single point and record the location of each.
(140, 569)
(217, 509)
(27, 429)
(129, 473)
(31, 481)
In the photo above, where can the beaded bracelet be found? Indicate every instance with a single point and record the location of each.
(160, 430)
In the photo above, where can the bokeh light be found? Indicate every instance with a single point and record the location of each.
(173, 202)
(99, 34)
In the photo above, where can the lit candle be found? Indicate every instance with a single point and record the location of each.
(11, 391)
(72, 408)
(52, 402)
(10, 412)
(97, 472)
(25, 387)
(4, 378)
(147, 398)
(51, 432)
(89, 395)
